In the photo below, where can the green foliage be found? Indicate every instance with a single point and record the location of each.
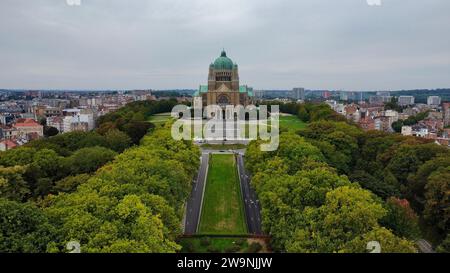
(444, 247)
(397, 126)
(65, 144)
(50, 131)
(310, 112)
(205, 241)
(393, 105)
(41, 168)
(132, 119)
(308, 207)
(401, 218)
(131, 205)
(294, 150)
(412, 120)
(88, 160)
(117, 141)
(437, 205)
(12, 183)
(70, 183)
(338, 142)
(47, 166)
(254, 248)
(19, 156)
(23, 228)
(215, 244)
(418, 181)
(232, 249)
(317, 112)
(388, 241)
(137, 129)
(347, 213)
(383, 188)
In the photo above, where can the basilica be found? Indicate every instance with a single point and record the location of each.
(223, 85)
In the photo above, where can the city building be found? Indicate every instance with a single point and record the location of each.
(379, 100)
(407, 130)
(392, 115)
(258, 94)
(367, 123)
(57, 122)
(298, 93)
(382, 124)
(223, 85)
(78, 122)
(434, 100)
(29, 128)
(405, 100)
(446, 111)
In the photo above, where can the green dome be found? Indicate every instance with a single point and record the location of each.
(223, 62)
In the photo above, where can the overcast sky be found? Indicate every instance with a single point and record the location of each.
(278, 44)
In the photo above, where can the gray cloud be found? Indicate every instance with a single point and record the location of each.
(330, 44)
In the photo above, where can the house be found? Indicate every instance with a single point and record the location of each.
(27, 126)
(7, 144)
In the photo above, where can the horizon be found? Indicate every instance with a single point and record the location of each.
(193, 89)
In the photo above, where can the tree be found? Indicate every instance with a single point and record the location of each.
(137, 129)
(347, 213)
(117, 140)
(393, 105)
(46, 167)
(418, 181)
(12, 183)
(106, 127)
(437, 204)
(397, 126)
(403, 163)
(70, 183)
(444, 247)
(19, 156)
(108, 224)
(50, 131)
(383, 188)
(401, 218)
(131, 205)
(389, 243)
(23, 228)
(88, 160)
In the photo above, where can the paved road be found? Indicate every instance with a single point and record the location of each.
(424, 246)
(194, 205)
(251, 202)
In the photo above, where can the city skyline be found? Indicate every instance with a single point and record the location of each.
(105, 45)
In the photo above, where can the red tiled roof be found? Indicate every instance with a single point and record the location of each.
(26, 122)
(9, 144)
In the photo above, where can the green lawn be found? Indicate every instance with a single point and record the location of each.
(286, 122)
(222, 211)
(159, 118)
(291, 123)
